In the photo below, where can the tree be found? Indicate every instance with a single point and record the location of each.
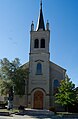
(5, 86)
(19, 81)
(77, 93)
(8, 69)
(12, 75)
(66, 93)
(12, 79)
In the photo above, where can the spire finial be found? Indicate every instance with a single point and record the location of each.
(32, 26)
(40, 24)
(41, 4)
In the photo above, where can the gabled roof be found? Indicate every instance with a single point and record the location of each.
(52, 65)
(25, 66)
(57, 67)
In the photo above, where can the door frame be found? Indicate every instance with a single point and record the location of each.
(32, 97)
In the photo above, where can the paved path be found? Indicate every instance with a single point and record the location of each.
(34, 114)
(30, 117)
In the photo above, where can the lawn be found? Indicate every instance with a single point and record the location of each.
(10, 111)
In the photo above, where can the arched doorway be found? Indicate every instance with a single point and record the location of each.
(38, 100)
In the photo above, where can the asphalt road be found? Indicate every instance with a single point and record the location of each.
(31, 117)
(31, 114)
(34, 114)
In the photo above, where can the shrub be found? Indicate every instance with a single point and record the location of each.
(21, 107)
(3, 104)
(52, 109)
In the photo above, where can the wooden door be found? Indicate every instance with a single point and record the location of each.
(38, 100)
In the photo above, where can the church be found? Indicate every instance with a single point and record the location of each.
(44, 75)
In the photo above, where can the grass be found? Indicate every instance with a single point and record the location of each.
(10, 111)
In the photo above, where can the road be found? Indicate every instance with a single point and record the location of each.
(31, 117)
(27, 117)
(31, 114)
(34, 114)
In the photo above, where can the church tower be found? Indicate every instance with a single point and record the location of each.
(39, 58)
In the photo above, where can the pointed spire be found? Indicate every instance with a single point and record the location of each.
(47, 25)
(40, 24)
(41, 4)
(32, 26)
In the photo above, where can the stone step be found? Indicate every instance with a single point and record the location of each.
(35, 111)
(4, 114)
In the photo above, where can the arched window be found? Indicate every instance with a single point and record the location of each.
(56, 85)
(42, 43)
(39, 69)
(36, 43)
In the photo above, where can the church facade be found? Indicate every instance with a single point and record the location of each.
(44, 75)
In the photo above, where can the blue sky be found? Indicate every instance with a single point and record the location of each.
(15, 21)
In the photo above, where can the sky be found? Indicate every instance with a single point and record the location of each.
(16, 17)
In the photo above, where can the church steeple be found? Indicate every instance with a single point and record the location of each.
(40, 24)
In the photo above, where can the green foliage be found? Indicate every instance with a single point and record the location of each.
(20, 76)
(66, 93)
(76, 90)
(12, 75)
(5, 86)
(8, 69)
(52, 109)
